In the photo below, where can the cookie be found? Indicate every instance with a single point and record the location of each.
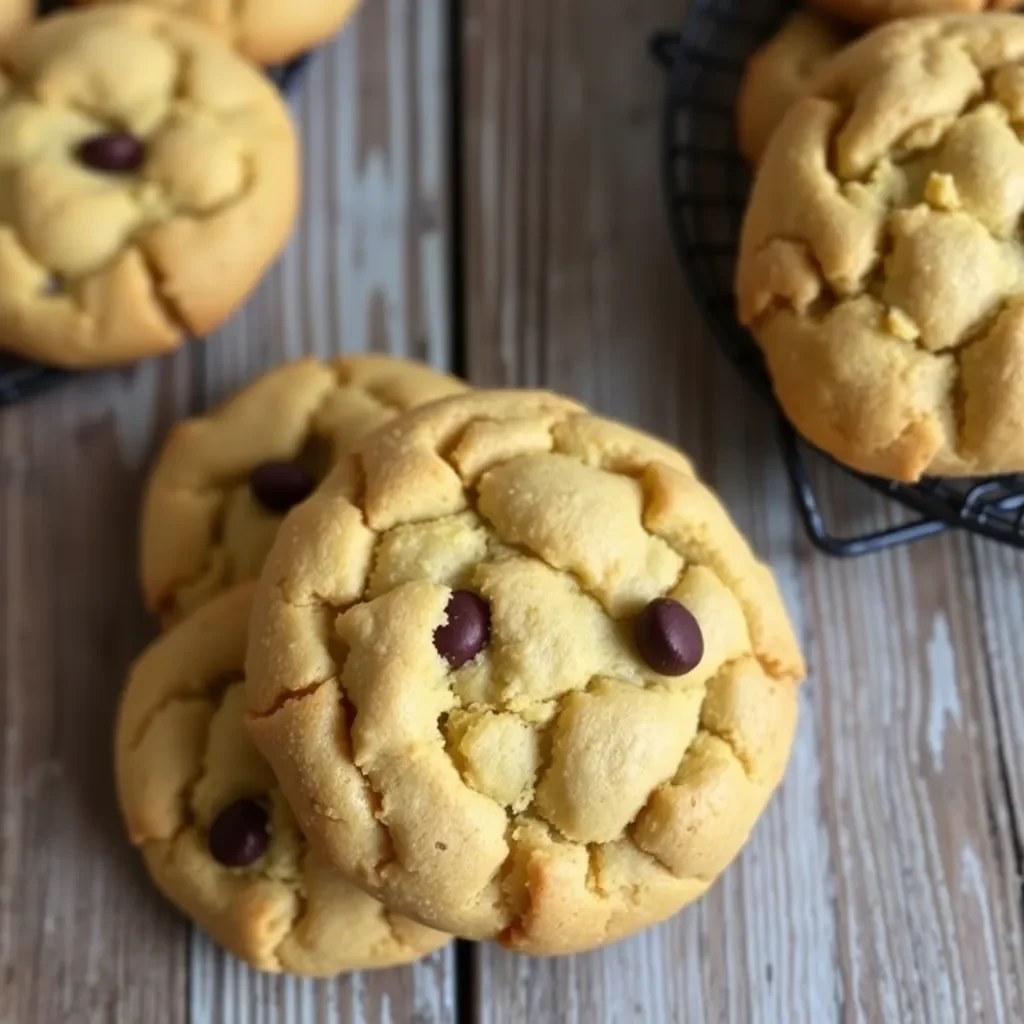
(519, 675)
(880, 267)
(149, 178)
(212, 826)
(14, 16)
(778, 73)
(266, 31)
(222, 482)
(876, 12)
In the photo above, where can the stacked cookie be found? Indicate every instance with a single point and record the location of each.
(150, 171)
(881, 269)
(441, 662)
(199, 801)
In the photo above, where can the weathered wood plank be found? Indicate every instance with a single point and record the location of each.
(927, 893)
(79, 923)
(82, 935)
(880, 885)
(999, 591)
(223, 989)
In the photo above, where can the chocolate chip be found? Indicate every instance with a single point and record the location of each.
(239, 835)
(277, 486)
(669, 637)
(467, 631)
(118, 152)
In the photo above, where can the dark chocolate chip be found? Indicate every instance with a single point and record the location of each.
(240, 835)
(467, 631)
(117, 152)
(277, 486)
(669, 637)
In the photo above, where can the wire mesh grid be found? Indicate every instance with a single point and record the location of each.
(21, 379)
(706, 182)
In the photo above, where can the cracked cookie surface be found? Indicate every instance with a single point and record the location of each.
(148, 176)
(881, 268)
(443, 672)
(779, 72)
(266, 31)
(206, 524)
(211, 824)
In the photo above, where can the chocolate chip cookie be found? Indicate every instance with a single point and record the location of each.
(519, 675)
(211, 824)
(222, 482)
(149, 178)
(779, 72)
(881, 269)
(266, 31)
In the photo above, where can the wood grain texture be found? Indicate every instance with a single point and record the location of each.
(83, 937)
(927, 889)
(223, 989)
(77, 919)
(882, 884)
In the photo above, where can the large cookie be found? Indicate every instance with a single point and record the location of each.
(222, 482)
(266, 31)
(778, 73)
(518, 673)
(876, 12)
(149, 178)
(881, 268)
(212, 826)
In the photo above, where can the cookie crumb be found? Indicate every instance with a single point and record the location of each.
(900, 325)
(941, 192)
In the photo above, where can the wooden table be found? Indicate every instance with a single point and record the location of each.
(482, 191)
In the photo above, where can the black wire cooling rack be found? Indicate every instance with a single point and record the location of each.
(20, 379)
(706, 183)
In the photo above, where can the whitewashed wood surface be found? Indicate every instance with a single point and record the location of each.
(884, 883)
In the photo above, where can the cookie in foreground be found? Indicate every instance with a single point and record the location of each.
(212, 826)
(150, 178)
(518, 673)
(266, 33)
(880, 268)
(223, 481)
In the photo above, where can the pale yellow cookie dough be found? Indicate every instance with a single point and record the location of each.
(779, 72)
(554, 792)
(183, 756)
(101, 266)
(266, 31)
(881, 268)
(203, 530)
